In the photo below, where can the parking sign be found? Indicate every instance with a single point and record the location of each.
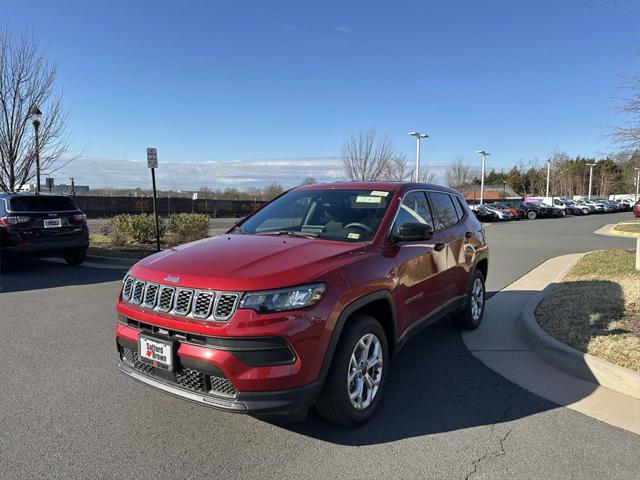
(152, 158)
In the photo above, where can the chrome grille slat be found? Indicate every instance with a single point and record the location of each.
(127, 287)
(225, 306)
(202, 304)
(150, 295)
(137, 293)
(165, 304)
(185, 302)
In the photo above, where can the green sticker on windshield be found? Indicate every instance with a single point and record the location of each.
(354, 236)
(367, 199)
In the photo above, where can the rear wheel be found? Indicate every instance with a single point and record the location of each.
(75, 257)
(531, 215)
(355, 381)
(471, 316)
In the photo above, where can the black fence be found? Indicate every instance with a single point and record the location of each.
(96, 207)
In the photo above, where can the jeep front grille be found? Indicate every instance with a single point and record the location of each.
(184, 302)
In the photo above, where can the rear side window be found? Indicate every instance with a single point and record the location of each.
(40, 203)
(457, 203)
(444, 211)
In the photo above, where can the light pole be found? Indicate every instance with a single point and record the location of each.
(637, 183)
(419, 136)
(35, 114)
(484, 155)
(590, 165)
(548, 175)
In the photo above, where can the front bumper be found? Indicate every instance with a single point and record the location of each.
(290, 403)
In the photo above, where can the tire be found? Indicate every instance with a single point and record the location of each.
(470, 317)
(334, 404)
(75, 257)
(585, 211)
(531, 215)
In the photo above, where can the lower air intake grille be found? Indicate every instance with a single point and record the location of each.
(187, 378)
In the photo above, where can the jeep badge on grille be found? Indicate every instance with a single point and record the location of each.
(172, 279)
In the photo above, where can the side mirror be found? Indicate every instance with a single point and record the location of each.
(413, 232)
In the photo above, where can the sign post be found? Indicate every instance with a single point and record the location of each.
(152, 163)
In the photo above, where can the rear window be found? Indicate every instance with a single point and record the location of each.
(40, 203)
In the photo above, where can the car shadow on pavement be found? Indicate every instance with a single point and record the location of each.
(435, 386)
(35, 274)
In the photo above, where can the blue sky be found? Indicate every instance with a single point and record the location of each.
(223, 81)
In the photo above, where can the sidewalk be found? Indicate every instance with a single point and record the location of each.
(499, 344)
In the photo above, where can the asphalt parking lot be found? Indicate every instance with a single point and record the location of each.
(65, 411)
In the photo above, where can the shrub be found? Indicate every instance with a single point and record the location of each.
(127, 228)
(188, 227)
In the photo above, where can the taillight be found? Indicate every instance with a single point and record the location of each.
(80, 217)
(13, 220)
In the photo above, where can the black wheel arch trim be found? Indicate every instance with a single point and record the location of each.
(346, 313)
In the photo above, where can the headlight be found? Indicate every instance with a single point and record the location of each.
(283, 299)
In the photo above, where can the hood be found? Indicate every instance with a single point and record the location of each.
(246, 262)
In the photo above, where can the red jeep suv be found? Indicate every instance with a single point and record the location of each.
(305, 301)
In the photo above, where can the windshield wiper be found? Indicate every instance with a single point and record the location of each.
(289, 233)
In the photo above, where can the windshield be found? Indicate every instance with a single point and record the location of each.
(343, 215)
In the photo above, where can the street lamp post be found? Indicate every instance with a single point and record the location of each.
(637, 184)
(484, 155)
(419, 136)
(590, 165)
(548, 175)
(35, 115)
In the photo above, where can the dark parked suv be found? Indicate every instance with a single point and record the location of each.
(41, 225)
(305, 301)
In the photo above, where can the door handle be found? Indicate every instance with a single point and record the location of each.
(439, 246)
(468, 234)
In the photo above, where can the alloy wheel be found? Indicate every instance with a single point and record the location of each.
(477, 299)
(365, 371)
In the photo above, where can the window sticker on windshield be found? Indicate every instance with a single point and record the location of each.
(354, 236)
(367, 199)
(379, 193)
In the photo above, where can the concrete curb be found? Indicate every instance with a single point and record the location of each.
(575, 362)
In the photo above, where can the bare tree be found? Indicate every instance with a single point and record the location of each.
(398, 169)
(366, 158)
(628, 135)
(459, 175)
(427, 176)
(309, 181)
(27, 79)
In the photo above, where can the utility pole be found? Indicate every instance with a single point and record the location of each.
(484, 154)
(548, 175)
(637, 184)
(73, 186)
(590, 165)
(419, 136)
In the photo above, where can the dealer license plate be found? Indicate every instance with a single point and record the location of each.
(52, 223)
(155, 352)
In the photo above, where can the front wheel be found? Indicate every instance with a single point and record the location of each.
(531, 215)
(471, 316)
(356, 378)
(75, 257)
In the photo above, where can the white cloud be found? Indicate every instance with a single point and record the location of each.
(105, 172)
